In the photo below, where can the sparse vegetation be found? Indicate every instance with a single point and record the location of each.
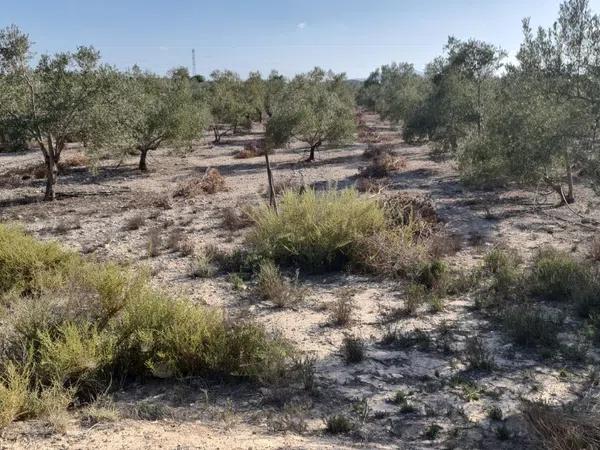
(125, 327)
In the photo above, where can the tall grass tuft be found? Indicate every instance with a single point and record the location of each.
(316, 230)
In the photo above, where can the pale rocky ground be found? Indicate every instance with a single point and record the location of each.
(96, 204)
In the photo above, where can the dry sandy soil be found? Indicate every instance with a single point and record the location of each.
(91, 216)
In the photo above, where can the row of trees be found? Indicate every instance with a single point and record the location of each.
(533, 121)
(73, 97)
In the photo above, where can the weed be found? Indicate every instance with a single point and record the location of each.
(154, 242)
(274, 288)
(338, 424)
(341, 309)
(135, 222)
(202, 266)
(529, 326)
(353, 349)
(478, 357)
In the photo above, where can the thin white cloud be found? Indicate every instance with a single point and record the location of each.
(163, 48)
(301, 26)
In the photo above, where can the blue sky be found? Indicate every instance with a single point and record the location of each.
(352, 36)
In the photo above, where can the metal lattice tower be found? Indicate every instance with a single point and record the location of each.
(193, 61)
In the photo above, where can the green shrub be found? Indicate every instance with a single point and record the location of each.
(26, 263)
(71, 327)
(338, 424)
(316, 231)
(530, 326)
(504, 266)
(555, 275)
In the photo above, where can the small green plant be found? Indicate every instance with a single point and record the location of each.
(416, 295)
(555, 275)
(504, 266)
(353, 349)
(338, 424)
(237, 282)
(432, 431)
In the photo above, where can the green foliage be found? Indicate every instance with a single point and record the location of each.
(66, 96)
(530, 326)
(394, 91)
(79, 324)
(159, 111)
(315, 230)
(228, 104)
(314, 108)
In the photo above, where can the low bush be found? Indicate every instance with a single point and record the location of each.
(316, 231)
(504, 267)
(353, 349)
(555, 275)
(531, 326)
(71, 327)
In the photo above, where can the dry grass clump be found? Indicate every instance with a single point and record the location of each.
(135, 222)
(368, 185)
(382, 166)
(272, 286)
(444, 244)
(211, 183)
(409, 210)
(74, 160)
(342, 308)
(237, 218)
(252, 150)
(565, 427)
(69, 322)
(377, 151)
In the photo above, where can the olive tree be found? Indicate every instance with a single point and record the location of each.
(160, 111)
(228, 107)
(254, 96)
(393, 91)
(313, 108)
(460, 84)
(65, 97)
(545, 119)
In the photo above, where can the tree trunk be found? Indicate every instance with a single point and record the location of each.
(217, 135)
(272, 198)
(570, 196)
(479, 109)
(50, 196)
(143, 153)
(313, 147)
